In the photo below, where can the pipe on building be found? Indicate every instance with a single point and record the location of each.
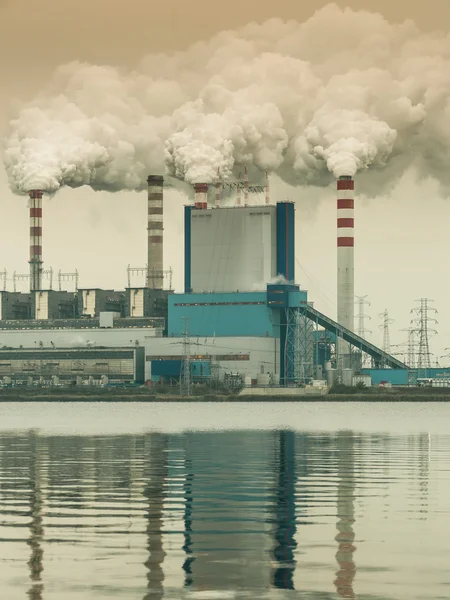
(267, 188)
(35, 239)
(201, 195)
(155, 267)
(345, 255)
(238, 191)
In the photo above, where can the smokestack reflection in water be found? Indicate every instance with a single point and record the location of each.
(345, 513)
(35, 562)
(155, 491)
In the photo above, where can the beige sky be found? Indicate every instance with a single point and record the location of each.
(97, 232)
(36, 35)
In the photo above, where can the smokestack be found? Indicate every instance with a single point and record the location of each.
(218, 188)
(35, 239)
(345, 255)
(155, 268)
(245, 186)
(267, 188)
(201, 195)
(238, 191)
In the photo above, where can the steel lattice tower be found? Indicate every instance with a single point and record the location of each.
(385, 327)
(361, 316)
(422, 321)
(361, 327)
(185, 375)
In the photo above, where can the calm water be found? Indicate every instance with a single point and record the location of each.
(212, 501)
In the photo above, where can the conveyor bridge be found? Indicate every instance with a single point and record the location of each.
(380, 357)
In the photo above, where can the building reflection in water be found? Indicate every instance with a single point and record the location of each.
(187, 547)
(346, 515)
(156, 448)
(284, 512)
(226, 535)
(35, 540)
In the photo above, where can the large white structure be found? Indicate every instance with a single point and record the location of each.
(232, 249)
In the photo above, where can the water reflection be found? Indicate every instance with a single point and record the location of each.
(159, 516)
(345, 513)
(155, 493)
(35, 562)
(284, 512)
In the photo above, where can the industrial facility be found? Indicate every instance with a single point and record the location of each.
(242, 318)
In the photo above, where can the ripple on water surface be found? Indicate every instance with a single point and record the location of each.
(268, 513)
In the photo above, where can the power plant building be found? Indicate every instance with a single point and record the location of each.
(241, 311)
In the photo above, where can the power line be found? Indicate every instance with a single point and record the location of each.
(422, 321)
(409, 354)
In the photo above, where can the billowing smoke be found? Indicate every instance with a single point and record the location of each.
(341, 93)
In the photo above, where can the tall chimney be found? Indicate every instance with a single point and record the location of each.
(345, 256)
(218, 188)
(245, 186)
(238, 191)
(35, 239)
(201, 195)
(155, 267)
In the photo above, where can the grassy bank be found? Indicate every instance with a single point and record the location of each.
(148, 395)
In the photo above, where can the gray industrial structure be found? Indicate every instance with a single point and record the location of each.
(73, 365)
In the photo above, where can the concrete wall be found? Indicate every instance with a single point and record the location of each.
(231, 248)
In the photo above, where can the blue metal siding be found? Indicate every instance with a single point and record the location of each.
(286, 240)
(222, 314)
(200, 368)
(393, 376)
(187, 249)
(166, 368)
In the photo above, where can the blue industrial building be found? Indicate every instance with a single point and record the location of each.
(229, 250)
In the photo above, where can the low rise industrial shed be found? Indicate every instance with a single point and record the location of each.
(119, 365)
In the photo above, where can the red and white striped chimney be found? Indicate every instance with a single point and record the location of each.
(345, 254)
(35, 239)
(201, 195)
(155, 266)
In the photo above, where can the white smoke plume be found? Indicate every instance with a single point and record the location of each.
(343, 93)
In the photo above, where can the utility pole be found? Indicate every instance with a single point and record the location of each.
(185, 375)
(422, 321)
(385, 327)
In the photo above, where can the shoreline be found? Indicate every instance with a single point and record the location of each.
(144, 397)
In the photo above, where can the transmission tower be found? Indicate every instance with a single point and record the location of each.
(361, 316)
(421, 322)
(411, 345)
(185, 375)
(385, 327)
(409, 348)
